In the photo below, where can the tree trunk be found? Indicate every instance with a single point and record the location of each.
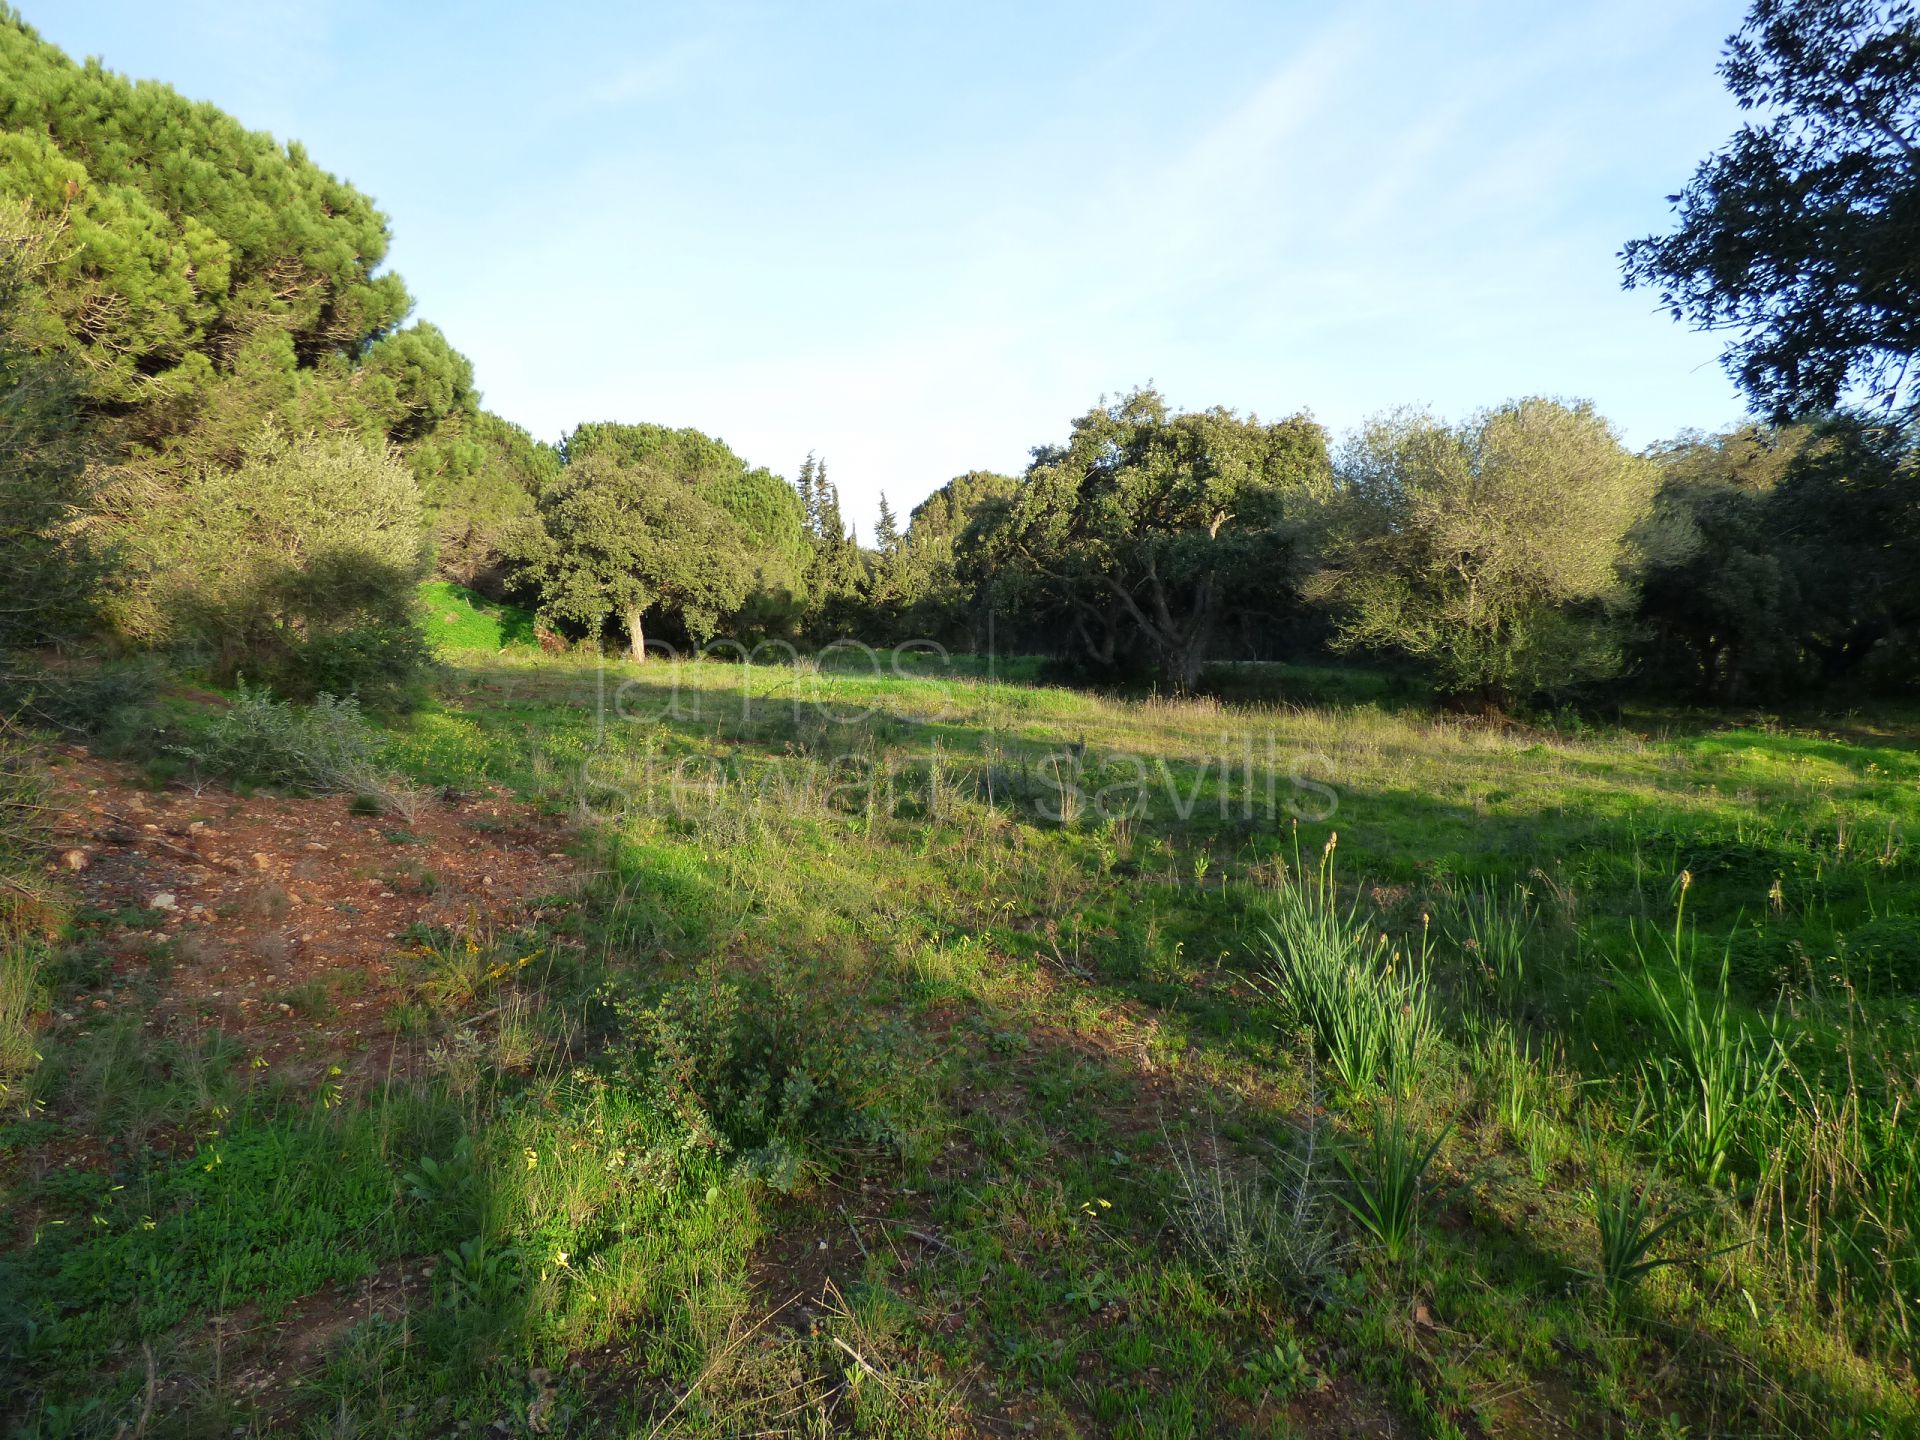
(636, 637)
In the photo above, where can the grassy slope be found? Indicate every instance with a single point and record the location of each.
(458, 619)
(985, 1061)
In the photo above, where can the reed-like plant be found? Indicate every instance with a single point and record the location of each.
(1387, 1187)
(1336, 975)
(1628, 1234)
(1491, 929)
(1718, 1077)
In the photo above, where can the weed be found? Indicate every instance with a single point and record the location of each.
(1249, 1229)
(463, 967)
(1282, 1369)
(1336, 975)
(479, 1273)
(311, 999)
(1628, 1235)
(762, 1078)
(1387, 1184)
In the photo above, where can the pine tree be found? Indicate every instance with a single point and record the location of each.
(886, 534)
(809, 495)
(833, 527)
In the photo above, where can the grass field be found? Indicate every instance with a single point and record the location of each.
(927, 1053)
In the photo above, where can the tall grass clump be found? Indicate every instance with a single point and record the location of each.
(1335, 975)
(20, 994)
(1717, 1080)
(1492, 929)
(29, 909)
(1388, 1182)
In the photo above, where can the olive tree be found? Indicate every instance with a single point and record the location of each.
(1493, 552)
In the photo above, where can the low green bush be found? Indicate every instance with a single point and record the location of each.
(382, 665)
(765, 1078)
(314, 748)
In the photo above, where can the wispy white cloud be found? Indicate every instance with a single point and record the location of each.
(920, 241)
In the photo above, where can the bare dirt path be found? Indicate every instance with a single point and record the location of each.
(285, 921)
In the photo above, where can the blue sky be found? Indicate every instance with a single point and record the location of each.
(920, 238)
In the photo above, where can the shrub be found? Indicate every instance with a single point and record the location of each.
(1246, 1230)
(762, 1075)
(112, 701)
(379, 664)
(299, 567)
(318, 748)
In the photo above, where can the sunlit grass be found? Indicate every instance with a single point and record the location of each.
(1057, 1138)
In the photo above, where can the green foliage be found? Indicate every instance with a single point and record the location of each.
(619, 538)
(30, 913)
(1145, 527)
(1387, 1182)
(839, 596)
(193, 281)
(54, 565)
(321, 747)
(457, 619)
(1783, 559)
(767, 517)
(379, 662)
(1492, 930)
(188, 232)
(21, 997)
(415, 379)
(1797, 235)
(298, 568)
(939, 596)
(1628, 1233)
(1718, 1079)
(271, 1208)
(1493, 552)
(763, 1078)
(1282, 1369)
(1336, 975)
(1850, 532)
(479, 476)
(1721, 615)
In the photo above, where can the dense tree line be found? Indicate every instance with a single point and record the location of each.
(193, 315)
(221, 435)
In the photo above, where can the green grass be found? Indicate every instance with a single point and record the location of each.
(1015, 1013)
(458, 620)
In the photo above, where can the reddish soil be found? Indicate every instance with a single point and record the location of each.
(284, 920)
